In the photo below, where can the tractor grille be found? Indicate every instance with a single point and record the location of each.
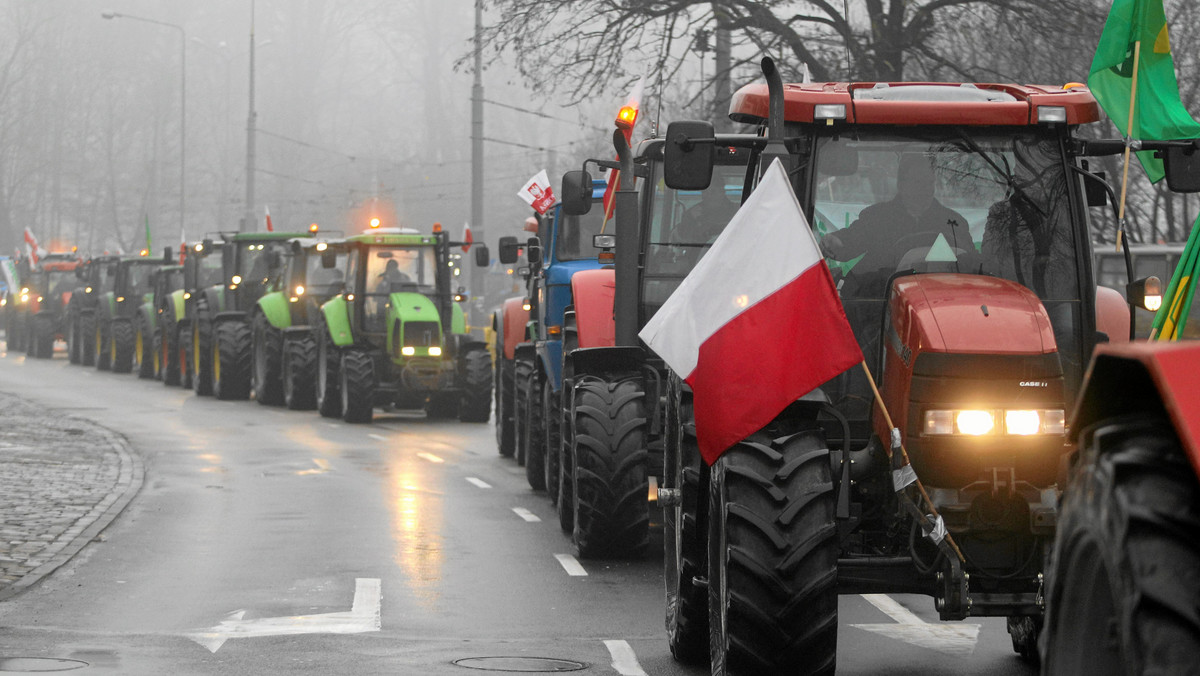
(421, 334)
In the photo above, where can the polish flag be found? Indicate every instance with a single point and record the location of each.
(267, 211)
(757, 324)
(467, 239)
(31, 246)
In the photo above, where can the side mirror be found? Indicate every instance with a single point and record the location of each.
(208, 245)
(483, 257)
(1182, 165)
(688, 155)
(328, 259)
(576, 193)
(533, 251)
(168, 255)
(508, 250)
(1145, 293)
(523, 271)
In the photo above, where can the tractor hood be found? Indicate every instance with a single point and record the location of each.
(969, 314)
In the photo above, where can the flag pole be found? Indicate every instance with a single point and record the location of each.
(1137, 53)
(904, 455)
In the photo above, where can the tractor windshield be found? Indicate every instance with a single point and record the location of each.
(139, 280)
(208, 270)
(574, 234)
(322, 281)
(59, 282)
(980, 201)
(401, 268)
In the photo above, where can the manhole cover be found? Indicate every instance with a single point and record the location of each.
(25, 665)
(535, 665)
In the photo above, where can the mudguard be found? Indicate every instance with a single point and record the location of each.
(1112, 315)
(231, 316)
(514, 317)
(275, 308)
(458, 319)
(107, 307)
(593, 292)
(607, 361)
(337, 320)
(146, 311)
(550, 356)
(178, 304)
(405, 308)
(1144, 377)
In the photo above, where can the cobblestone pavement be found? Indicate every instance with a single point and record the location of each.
(62, 481)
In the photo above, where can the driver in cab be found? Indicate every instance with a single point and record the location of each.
(884, 232)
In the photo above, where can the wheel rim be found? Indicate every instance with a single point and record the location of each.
(216, 363)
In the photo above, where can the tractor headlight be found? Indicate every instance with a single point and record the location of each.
(980, 422)
(435, 351)
(408, 350)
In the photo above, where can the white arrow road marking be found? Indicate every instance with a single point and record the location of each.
(478, 482)
(378, 437)
(623, 659)
(952, 639)
(570, 564)
(526, 514)
(431, 458)
(363, 617)
(322, 466)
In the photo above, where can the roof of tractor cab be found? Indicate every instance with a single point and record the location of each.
(918, 103)
(266, 236)
(393, 238)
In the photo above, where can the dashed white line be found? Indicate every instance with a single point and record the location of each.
(623, 659)
(430, 457)
(571, 565)
(526, 514)
(378, 437)
(478, 482)
(334, 425)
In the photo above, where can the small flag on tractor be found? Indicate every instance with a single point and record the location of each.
(267, 212)
(724, 329)
(149, 245)
(538, 193)
(31, 246)
(1136, 33)
(1172, 315)
(467, 239)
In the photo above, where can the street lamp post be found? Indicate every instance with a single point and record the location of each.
(182, 109)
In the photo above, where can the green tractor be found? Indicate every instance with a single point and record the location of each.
(396, 336)
(169, 306)
(119, 344)
(284, 337)
(159, 310)
(219, 313)
(95, 275)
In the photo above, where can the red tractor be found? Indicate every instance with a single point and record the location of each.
(955, 220)
(1123, 588)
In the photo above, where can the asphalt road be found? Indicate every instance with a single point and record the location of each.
(268, 541)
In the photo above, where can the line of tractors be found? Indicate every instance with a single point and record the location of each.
(343, 325)
(1018, 397)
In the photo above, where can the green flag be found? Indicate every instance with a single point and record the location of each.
(1172, 315)
(1159, 115)
(149, 247)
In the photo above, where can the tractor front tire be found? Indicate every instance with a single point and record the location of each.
(231, 361)
(772, 558)
(74, 343)
(121, 345)
(684, 529)
(200, 365)
(358, 386)
(170, 355)
(102, 345)
(329, 399)
(551, 423)
(43, 337)
(506, 434)
(145, 355)
(612, 513)
(268, 362)
(522, 372)
(1123, 585)
(299, 372)
(535, 434)
(475, 405)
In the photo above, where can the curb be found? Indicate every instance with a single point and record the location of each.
(75, 538)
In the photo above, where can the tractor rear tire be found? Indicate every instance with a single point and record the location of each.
(552, 422)
(87, 339)
(299, 372)
(170, 359)
(43, 336)
(231, 361)
(1122, 591)
(74, 343)
(475, 405)
(684, 529)
(522, 371)
(121, 345)
(200, 365)
(506, 433)
(612, 513)
(535, 434)
(358, 386)
(772, 558)
(268, 362)
(145, 356)
(102, 345)
(328, 396)
(186, 376)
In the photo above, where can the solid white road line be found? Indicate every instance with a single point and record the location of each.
(431, 458)
(571, 565)
(526, 514)
(623, 659)
(478, 482)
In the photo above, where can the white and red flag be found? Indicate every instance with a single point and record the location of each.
(267, 212)
(468, 239)
(757, 324)
(31, 246)
(537, 192)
